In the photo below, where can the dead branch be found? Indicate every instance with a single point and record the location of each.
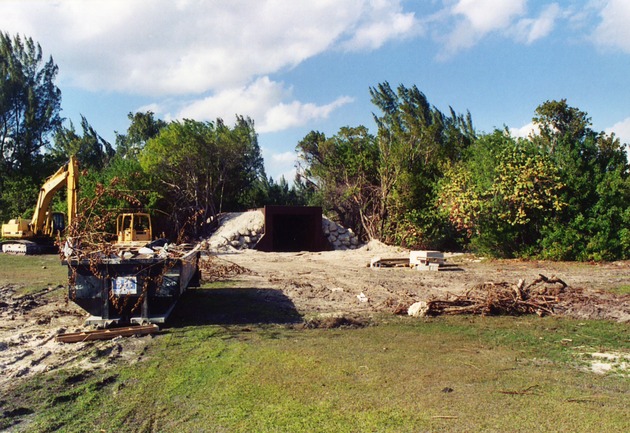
(502, 298)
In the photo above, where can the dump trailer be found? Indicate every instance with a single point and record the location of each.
(140, 286)
(37, 235)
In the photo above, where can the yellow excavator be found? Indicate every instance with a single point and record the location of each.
(36, 236)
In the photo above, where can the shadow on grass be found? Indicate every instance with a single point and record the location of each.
(233, 306)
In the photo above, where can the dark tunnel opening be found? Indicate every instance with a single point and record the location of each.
(293, 228)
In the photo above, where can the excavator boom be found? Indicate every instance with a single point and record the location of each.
(26, 236)
(66, 175)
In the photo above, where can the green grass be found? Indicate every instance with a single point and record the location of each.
(32, 273)
(622, 290)
(506, 374)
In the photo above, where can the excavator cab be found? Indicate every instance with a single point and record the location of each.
(134, 228)
(55, 223)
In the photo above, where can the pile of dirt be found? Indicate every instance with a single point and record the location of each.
(215, 269)
(336, 322)
(581, 303)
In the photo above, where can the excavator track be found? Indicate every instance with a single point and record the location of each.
(25, 248)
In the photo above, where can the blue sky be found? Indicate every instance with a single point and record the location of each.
(301, 65)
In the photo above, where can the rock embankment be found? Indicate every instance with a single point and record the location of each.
(237, 230)
(243, 230)
(340, 238)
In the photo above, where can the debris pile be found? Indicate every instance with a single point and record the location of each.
(503, 298)
(214, 269)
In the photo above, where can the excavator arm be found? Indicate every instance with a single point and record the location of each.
(66, 175)
(41, 225)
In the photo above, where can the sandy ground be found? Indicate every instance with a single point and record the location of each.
(334, 283)
(341, 282)
(28, 326)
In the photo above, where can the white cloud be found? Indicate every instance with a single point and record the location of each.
(614, 31)
(382, 21)
(214, 53)
(283, 116)
(529, 30)
(154, 107)
(161, 47)
(525, 131)
(476, 18)
(280, 164)
(487, 15)
(265, 101)
(621, 130)
(464, 23)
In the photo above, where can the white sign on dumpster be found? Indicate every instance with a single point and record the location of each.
(125, 286)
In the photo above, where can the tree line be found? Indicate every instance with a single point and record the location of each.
(426, 179)
(429, 180)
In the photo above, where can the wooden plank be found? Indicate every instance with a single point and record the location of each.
(378, 262)
(106, 334)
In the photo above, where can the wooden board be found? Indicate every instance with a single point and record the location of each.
(378, 262)
(106, 334)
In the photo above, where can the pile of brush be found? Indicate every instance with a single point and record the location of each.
(538, 297)
(215, 269)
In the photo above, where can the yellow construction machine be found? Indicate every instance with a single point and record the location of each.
(37, 235)
(134, 229)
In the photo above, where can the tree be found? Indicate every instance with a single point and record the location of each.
(204, 167)
(594, 169)
(558, 121)
(92, 150)
(383, 187)
(280, 193)
(342, 170)
(501, 194)
(416, 143)
(142, 128)
(29, 114)
(29, 102)
(563, 194)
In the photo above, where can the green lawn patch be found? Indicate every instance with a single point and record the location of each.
(446, 374)
(32, 273)
(621, 290)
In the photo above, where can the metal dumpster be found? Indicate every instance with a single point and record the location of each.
(140, 289)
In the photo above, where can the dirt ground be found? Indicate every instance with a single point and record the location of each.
(343, 283)
(325, 284)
